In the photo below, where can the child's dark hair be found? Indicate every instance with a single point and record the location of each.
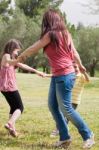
(10, 46)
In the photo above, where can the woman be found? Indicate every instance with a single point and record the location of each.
(59, 48)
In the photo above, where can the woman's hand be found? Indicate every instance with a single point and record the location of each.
(33, 49)
(42, 74)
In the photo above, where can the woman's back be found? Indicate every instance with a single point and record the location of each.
(59, 57)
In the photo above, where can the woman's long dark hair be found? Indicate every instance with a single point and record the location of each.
(10, 46)
(52, 23)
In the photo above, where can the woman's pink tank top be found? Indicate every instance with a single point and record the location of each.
(60, 59)
(7, 79)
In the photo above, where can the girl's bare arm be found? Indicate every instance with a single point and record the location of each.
(28, 68)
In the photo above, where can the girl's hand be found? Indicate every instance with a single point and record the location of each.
(86, 76)
(48, 75)
(41, 74)
(82, 68)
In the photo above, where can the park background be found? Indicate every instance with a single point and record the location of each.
(21, 19)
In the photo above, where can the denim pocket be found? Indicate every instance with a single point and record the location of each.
(60, 79)
(67, 80)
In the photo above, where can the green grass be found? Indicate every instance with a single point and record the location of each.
(97, 73)
(36, 123)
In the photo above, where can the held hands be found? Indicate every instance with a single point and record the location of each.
(42, 74)
(21, 59)
(83, 70)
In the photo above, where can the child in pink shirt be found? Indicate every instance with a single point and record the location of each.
(8, 86)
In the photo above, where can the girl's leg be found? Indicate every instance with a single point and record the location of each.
(14, 117)
(64, 85)
(11, 123)
(57, 114)
(16, 107)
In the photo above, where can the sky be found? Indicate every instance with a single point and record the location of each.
(77, 13)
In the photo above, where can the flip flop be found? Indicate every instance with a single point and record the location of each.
(11, 130)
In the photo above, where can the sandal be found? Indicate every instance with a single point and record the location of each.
(11, 130)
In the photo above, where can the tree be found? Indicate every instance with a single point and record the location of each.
(42, 62)
(88, 47)
(4, 4)
(33, 8)
(19, 27)
(93, 66)
(80, 26)
(95, 7)
(24, 25)
(5, 9)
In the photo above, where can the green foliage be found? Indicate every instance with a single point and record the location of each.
(5, 9)
(80, 26)
(33, 8)
(19, 27)
(88, 46)
(40, 60)
(23, 23)
(4, 6)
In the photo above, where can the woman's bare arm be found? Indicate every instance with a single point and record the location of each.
(34, 48)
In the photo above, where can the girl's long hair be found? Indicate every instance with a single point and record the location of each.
(52, 23)
(9, 47)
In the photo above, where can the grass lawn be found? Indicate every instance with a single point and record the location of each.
(36, 123)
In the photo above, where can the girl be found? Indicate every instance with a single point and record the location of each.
(8, 86)
(59, 48)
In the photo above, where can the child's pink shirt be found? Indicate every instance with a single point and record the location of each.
(7, 79)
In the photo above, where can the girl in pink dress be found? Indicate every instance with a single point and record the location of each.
(8, 86)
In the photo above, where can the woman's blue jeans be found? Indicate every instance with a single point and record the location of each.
(59, 102)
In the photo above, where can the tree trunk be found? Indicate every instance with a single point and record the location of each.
(92, 71)
(92, 67)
